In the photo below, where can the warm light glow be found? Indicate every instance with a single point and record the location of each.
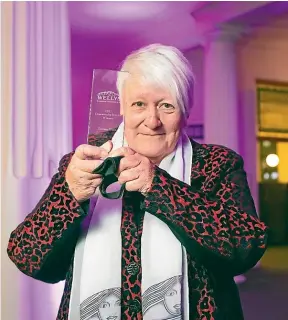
(282, 151)
(266, 176)
(274, 175)
(272, 160)
(266, 143)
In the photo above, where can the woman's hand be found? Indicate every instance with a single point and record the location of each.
(82, 183)
(136, 171)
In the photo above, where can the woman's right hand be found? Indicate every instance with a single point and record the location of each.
(81, 181)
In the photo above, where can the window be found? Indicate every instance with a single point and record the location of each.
(272, 132)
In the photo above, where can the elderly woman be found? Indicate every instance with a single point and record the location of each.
(183, 228)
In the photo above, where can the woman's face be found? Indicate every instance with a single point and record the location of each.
(172, 299)
(152, 119)
(109, 308)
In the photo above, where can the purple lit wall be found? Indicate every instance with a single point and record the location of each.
(196, 58)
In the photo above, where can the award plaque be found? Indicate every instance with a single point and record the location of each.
(105, 103)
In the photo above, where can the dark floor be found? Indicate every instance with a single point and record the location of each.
(265, 295)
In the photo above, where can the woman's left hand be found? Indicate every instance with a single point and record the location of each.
(136, 171)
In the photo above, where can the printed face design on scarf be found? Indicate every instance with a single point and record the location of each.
(163, 300)
(104, 305)
(172, 300)
(109, 309)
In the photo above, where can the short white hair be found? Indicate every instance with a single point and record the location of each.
(164, 66)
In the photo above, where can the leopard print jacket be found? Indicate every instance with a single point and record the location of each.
(214, 218)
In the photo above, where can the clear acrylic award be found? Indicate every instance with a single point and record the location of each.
(105, 103)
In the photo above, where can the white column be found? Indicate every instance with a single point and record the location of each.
(220, 92)
(36, 132)
(220, 88)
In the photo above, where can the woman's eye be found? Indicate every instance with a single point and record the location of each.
(138, 104)
(171, 293)
(105, 305)
(167, 106)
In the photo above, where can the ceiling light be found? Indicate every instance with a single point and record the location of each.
(124, 10)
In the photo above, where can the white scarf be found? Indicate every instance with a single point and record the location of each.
(96, 286)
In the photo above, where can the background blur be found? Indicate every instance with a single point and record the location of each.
(239, 53)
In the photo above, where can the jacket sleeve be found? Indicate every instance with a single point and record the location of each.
(219, 228)
(42, 246)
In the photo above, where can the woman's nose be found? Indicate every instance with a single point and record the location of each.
(152, 120)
